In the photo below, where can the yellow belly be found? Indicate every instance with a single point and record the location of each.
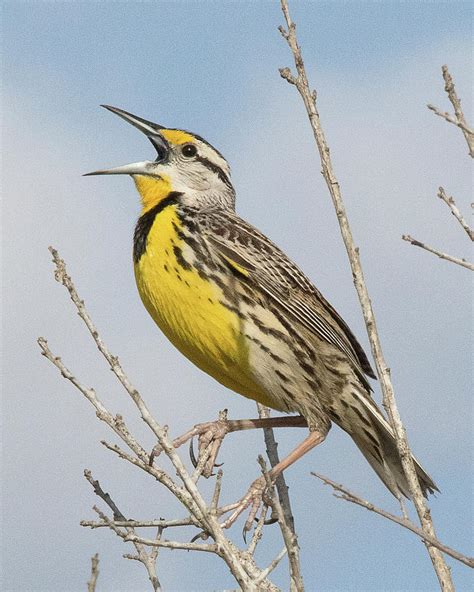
(187, 309)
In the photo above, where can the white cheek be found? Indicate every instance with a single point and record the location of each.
(189, 180)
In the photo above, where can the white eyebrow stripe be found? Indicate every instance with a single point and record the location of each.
(212, 155)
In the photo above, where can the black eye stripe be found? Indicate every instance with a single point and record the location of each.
(215, 169)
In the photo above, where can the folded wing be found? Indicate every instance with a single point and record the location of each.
(255, 259)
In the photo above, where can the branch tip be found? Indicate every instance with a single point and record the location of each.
(287, 75)
(406, 459)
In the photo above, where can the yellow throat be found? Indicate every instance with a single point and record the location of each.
(152, 190)
(185, 304)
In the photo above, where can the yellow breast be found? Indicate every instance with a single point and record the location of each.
(188, 309)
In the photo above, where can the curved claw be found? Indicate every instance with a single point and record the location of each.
(192, 454)
(273, 516)
(154, 453)
(200, 535)
(252, 498)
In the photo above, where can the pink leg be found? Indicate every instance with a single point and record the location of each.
(212, 434)
(254, 495)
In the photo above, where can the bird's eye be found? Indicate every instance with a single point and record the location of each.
(189, 150)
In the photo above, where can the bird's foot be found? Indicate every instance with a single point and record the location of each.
(210, 437)
(255, 496)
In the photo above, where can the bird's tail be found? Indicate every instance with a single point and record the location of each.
(360, 417)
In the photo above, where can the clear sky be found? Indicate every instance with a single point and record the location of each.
(211, 67)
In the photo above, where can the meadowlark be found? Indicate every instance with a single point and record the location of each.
(234, 304)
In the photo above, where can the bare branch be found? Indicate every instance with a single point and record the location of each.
(217, 492)
(289, 537)
(240, 563)
(91, 584)
(131, 537)
(117, 424)
(440, 254)
(141, 523)
(280, 483)
(156, 550)
(456, 103)
(450, 118)
(383, 371)
(258, 532)
(104, 496)
(148, 559)
(408, 524)
(62, 277)
(210, 548)
(449, 201)
(272, 565)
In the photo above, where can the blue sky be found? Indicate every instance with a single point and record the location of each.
(212, 67)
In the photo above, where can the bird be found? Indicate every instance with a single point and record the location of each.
(236, 306)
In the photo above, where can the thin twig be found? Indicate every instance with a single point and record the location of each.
(117, 424)
(240, 563)
(280, 483)
(154, 552)
(131, 537)
(258, 532)
(309, 98)
(450, 118)
(141, 523)
(440, 254)
(217, 492)
(147, 559)
(272, 565)
(203, 458)
(408, 524)
(456, 103)
(449, 201)
(62, 277)
(91, 584)
(104, 496)
(289, 537)
(209, 548)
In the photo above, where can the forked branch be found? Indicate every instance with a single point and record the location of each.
(449, 201)
(300, 81)
(342, 492)
(458, 119)
(202, 515)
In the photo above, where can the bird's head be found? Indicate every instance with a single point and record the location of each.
(185, 163)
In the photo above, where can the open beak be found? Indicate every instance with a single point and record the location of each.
(152, 132)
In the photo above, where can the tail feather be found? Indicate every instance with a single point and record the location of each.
(373, 435)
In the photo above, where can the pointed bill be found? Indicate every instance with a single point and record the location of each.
(134, 168)
(152, 132)
(147, 127)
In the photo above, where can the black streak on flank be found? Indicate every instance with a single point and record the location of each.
(282, 376)
(179, 233)
(361, 416)
(178, 253)
(145, 223)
